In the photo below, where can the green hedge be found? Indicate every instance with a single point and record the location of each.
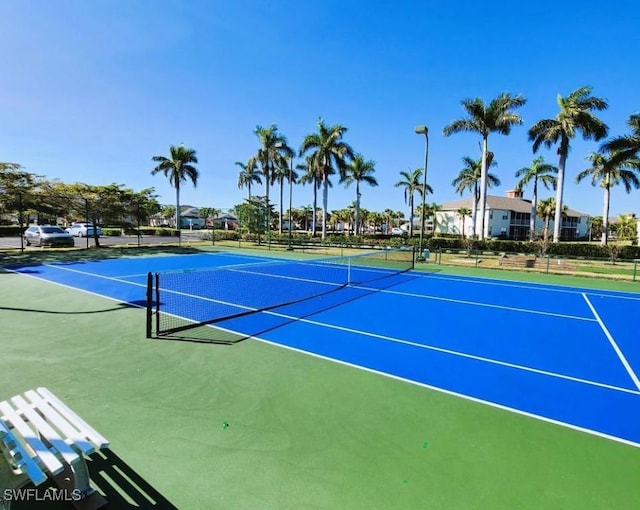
(10, 230)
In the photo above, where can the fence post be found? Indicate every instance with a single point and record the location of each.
(547, 269)
(635, 269)
(477, 253)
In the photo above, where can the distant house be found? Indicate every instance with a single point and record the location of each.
(508, 217)
(189, 218)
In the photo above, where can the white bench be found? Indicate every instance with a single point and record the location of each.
(40, 437)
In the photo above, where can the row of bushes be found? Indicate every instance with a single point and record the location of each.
(565, 249)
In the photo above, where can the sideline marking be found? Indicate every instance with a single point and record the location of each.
(378, 372)
(613, 343)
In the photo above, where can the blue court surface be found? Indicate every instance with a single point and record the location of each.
(566, 355)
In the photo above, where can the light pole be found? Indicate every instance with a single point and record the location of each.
(290, 247)
(423, 130)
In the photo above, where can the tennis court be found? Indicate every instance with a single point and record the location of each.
(565, 355)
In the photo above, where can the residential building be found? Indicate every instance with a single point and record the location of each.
(507, 217)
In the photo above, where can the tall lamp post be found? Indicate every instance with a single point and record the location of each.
(290, 247)
(423, 130)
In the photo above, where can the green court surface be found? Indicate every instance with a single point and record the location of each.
(256, 426)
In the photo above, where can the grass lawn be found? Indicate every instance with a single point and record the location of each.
(254, 425)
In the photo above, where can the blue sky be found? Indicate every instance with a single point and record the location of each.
(92, 89)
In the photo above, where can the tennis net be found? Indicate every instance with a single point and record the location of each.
(181, 300)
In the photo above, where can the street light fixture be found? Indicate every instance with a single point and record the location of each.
(290, 246)
(423, 130)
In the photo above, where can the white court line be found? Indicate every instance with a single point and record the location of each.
(87, 273)
(382, 337)
(549, 287)
(414, 344)
(284, 277)
(384, 374)
(188, 270)
(613, 343)
(476, 303)
(452, 393)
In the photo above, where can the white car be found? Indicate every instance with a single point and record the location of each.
(83, 230)
(397, 231)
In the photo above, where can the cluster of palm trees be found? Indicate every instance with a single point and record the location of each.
(616, 161)
(325, 154)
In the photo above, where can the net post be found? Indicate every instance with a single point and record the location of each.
(157, 284)
(348, 270)
(149, 303)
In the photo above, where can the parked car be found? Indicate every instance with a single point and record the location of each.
(47, 235)
(83, 230)
(397, 231)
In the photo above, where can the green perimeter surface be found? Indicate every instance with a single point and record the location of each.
(257, 426)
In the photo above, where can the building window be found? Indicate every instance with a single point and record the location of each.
(490, 215)
(505, 216)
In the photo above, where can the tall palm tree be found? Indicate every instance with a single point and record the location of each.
(248, 174)
(281, 172)
(359, 171)
(329, 153)
(605, 172)
(496, 117)
(411, 183)
(626, 147)
(463, 212)
(538, 171)
(178, 168)
(576, 114)
(469, 179)
(312, 175)
(272, 153)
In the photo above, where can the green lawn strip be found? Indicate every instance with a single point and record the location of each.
(534, 277)
(257, 426)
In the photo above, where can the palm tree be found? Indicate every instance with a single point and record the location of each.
(575, 115)
(271, 154)
(178, 168)
(359, 171)
(538, 171)
(546, 209)
(463, 212)
(469, 178)
(388, 213)
(248, 174)
(279, 174)
(329, 153)
(496, 117)
(311, 175)
(431, 211)
(411, 183)
(607, 173)
(626, 227)
(626, 147)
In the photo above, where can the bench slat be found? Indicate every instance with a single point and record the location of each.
(20, 456)
(68, 454)
(66, 427)
(78, 422)
(50, 461)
